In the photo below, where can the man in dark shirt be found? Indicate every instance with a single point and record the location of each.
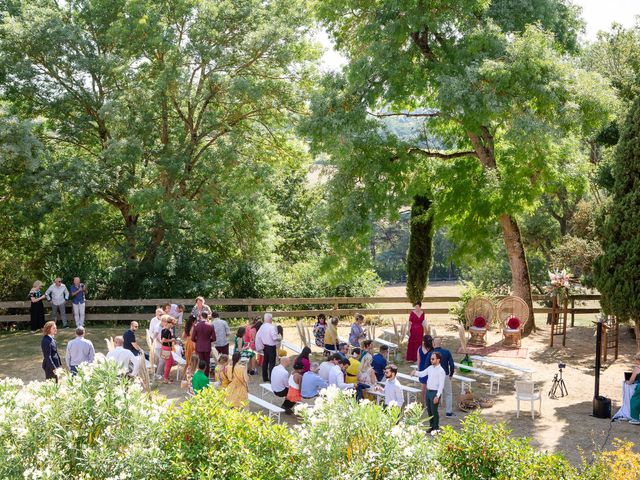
(379, 362)
(130, 339)
(447, 364)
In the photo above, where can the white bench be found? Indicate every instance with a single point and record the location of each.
(493, 377)
(291, 347)
(274, 410)
(265, 387)
(464, 381)
(393, 334)
(392, 346)
(527, 371)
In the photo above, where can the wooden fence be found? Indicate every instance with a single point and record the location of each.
(143, 309)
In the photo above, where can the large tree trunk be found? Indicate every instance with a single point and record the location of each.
(520, 281)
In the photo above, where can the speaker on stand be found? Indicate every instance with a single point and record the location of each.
(601, 405)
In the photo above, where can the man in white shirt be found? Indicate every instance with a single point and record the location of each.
(57, 294)
(221, 327)
(393, 394)
(435, 384)
(325, 368)
(123, 357)
(79, 350)
(155, 329)
(336, 374)
(266, 341)
(280, 383)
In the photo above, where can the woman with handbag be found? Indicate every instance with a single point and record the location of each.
(167, 340)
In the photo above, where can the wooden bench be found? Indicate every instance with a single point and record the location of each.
(493, 377)
(465, 381)
(291, 347)
(274, 410)
(527, 371)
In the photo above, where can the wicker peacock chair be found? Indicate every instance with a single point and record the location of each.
(513, 313)
(479, 314)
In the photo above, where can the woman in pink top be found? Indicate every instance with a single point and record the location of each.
(303, 358)
(416, 332)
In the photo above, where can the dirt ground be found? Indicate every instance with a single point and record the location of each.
(566, 424)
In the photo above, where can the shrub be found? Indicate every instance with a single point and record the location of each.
(470, 291)
(94, 425)
(481, 451)
(340, 438)
(205, 438)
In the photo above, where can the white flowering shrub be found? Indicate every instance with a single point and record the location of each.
(93, 425)
(340, 438)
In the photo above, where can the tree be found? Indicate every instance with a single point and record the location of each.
(420, 253)
(504, 101)
(169, 115)
(617, 270)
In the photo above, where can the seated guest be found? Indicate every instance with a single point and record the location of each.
(343, 350)
(393, 395)
(366, 377)
(367, 349)
(304, 359)
(354, 365)
(130, 342)
(379, 362)
(280, 383)
(331, 336)
(312, 383)
(295, 382)
(325, 368)
(79, 350)
(357, 332)
(336, 374)
(634, 404)
(221, 372)
(200, 380)
(123, 357)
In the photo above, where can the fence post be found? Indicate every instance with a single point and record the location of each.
(573, 312)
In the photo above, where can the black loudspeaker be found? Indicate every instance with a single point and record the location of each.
(601, 407)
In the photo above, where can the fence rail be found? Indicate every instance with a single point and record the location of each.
(17, 311)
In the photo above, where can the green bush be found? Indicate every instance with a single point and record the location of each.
(205, 438)
(479, 451)
(470, 291)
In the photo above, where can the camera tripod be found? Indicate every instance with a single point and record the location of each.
(558, 382)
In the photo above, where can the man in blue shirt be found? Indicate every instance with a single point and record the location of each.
(312, 383)
(447, 364)
(379, 362)
(78, 291)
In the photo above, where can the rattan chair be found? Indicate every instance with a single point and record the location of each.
(479, 314)
(513, 313)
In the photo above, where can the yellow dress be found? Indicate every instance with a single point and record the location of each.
(238, 389)
(222, 375)
(352, 371)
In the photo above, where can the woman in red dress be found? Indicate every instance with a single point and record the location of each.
(416, 332)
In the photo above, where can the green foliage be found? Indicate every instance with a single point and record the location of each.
(617, 270)
(479, 451)
(471, 290)
(207, 439)
(420, 252)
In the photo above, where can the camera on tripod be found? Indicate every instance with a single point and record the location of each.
(558, 383)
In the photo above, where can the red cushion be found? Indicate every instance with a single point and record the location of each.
(479, 322)
(513, 323)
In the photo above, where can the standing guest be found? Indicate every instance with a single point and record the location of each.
(200, 307)
(239, 345)
(357, 332)
(366, 376)
(200, 380)
(203, 336)
(447, 364)
(295, 384)
(393, 395)
(129, 337)
(123, 357)
(37, 307)
(79, 350)
(222, 373)
(367, 349)
(158, 347)
(416, 331)
(325, 368)
(57, 294)
(280, 382)
(192, 368)
(266, 340)
(336, 374)
(168, 340)
(379, 362)
(176, 311)
(280, 352)
(354, 366)
(78, 291)
(238, 389)
(155, 329)
(435, 385)
(253, 332)
(319, 328)
(424, 360)
(634, 402)
(343, 350)
(331, 336)
(304, 359)
(51, 360)
(222, 331)
(189, 346)
(312, 383)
